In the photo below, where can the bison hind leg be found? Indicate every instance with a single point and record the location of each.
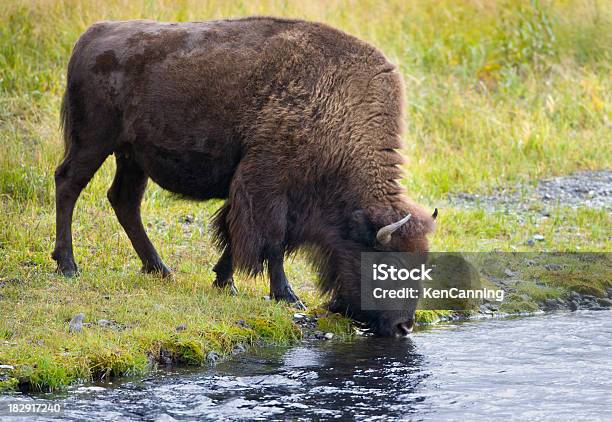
(125, 196)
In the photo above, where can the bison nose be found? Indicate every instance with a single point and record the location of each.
(404, 328)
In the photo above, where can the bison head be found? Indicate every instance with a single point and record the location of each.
(379, 231)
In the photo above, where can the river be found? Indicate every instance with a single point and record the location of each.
(548, 367)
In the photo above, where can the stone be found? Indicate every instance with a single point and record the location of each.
(239, 348)
(551, 304)
(299, 316)
(604, 302)
(7, 367)
(538, 237)
(553, 267)
(76, 323)
(180, 328)
(329, 336)
(212, 357)
(508, 272)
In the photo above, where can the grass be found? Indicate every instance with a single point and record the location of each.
(498, 92)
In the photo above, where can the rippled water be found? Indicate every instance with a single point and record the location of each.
(556, 367)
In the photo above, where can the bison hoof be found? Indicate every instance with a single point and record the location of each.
(68, 269)
(157, 268)
(287, 295)
(226, 285)
(65, 265)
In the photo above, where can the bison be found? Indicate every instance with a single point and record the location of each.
(295, 124)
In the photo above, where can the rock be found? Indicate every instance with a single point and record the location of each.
(609, 290)
(575, 296)
(530, 242)
(604, 302)
(553, 267)
(573, 305)
(484, 309)
(509, 272)
(180, 328)
(242, 323)
(329, 336)
(538, 237)
(188, 219)
(319, 334)
(299, 316)
(267, 298)
(7, 367)
(239, 348)
(530, 262)
(212, 357)
(76, 323)
(551, 304)
(105, 323)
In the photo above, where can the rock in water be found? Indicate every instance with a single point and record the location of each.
(76, 323)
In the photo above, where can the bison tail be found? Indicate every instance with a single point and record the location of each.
(66, 122)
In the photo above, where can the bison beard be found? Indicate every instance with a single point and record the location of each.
(295, 124)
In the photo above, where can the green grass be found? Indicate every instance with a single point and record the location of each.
(497, 92)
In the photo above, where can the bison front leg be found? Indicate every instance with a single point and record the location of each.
(225, 272)
(256, 222)
(279, 285)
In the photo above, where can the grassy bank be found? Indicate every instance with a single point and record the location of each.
(497, 93)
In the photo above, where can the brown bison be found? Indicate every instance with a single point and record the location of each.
(296, 124)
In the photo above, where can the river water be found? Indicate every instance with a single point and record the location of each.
(549, 367)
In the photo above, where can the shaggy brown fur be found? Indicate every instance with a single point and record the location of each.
(297, 124)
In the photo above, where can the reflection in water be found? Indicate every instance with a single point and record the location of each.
(553, 366)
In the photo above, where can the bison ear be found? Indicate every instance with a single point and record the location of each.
(361, 228)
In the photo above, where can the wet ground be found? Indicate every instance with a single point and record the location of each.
(549, 367)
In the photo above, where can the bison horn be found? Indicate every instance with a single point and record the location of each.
(384, 234)
(435, 214)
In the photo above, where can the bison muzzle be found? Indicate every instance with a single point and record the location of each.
(296, 124)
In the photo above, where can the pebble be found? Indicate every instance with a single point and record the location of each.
(329, 336)
(104, 323)
(538, 237)
(605, 302)
(7, 367)
(76, 323)
(212, 357)
(530, 242)
(509, 272)
(574, 295)
(180, 328)
(299, 316)
(551, 304)
(239, 348)
(553, 267)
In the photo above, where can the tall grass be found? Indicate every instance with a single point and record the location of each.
(497, 91)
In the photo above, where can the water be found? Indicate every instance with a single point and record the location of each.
(555, 367)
